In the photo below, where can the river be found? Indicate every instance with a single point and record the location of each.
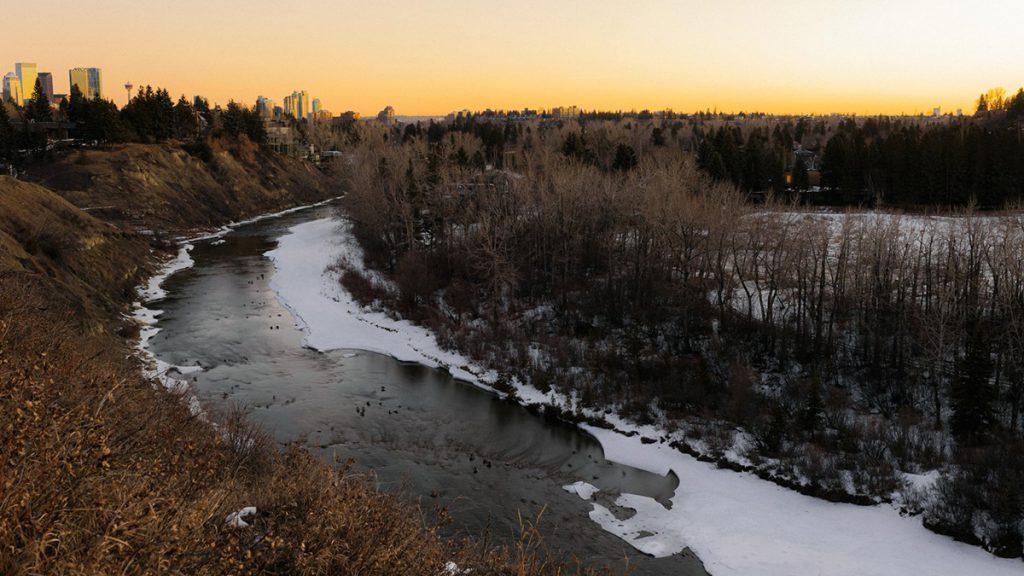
(416, 430)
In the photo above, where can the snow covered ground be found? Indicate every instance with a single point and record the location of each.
(736, 523)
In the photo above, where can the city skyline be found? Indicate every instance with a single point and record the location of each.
(903, 56)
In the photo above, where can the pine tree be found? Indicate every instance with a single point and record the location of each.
(625, 158)
(6, 132)
(982, 104)
(812, 409)
(461, 158)
(972, 392)
(77, 105)
(184, 120)
(38, 109)
(658, 137)
(800, 179)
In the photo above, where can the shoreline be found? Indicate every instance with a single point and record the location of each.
(748, 525)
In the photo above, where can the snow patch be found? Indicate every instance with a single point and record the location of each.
(237, 519)
(582, 489)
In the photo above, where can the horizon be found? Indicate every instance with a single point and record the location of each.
(896, 58)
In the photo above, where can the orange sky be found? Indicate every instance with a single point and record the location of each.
(435, 56)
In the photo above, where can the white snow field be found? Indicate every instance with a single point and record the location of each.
(736, 523)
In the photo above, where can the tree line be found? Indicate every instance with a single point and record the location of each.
(150, 116)
(848, 349)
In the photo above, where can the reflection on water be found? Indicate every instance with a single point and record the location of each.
(414, 428)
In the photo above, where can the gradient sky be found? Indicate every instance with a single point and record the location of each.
(435, 56)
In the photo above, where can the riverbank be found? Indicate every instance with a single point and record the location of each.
(104, 472)
(735, 522)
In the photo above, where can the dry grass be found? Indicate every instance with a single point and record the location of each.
(101, 472)
(105, 474)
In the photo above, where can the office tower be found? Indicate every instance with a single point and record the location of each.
(387, 115)
(297, 104)
(265, 107)
(302, 104)
(12, 88)
(88, 81)
(27, 74)
(46, 80)
(316, 106)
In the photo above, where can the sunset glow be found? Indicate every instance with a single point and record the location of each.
(432, 57)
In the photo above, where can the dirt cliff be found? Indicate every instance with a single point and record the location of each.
(174, 186)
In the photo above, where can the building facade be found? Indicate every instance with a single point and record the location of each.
(387, 115)
(27, 73)
(12, 88)
(88, 81)
(46, 81)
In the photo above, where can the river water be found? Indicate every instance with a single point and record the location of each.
(418, 431)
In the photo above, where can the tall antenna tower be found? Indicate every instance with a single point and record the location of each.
(128, 88)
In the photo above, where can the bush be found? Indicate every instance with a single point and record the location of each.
(419, 276)
(361, 289)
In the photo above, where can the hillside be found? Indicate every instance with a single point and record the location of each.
(173, 186)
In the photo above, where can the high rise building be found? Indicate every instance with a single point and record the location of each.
(387, 115)
(303, 105)
(46, 80)
(316, 106)
(265, 107)
(27, 75)
(298, 105)
(12, 88)
(88, 81)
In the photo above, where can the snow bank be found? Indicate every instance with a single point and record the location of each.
(154, 368)
(736, 523)
(331, 319)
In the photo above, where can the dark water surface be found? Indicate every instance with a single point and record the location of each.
(419, 431)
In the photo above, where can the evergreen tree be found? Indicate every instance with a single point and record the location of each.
(972, 393)
(800, 179)
(103, 123)
(625, 158)
(812, 409)
(38, 109)
(77, 105)
(184, 125)
(479, 162)
(6, 133)
(982, 104)
(575, 147)
(658, 137)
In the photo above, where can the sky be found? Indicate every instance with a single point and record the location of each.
(430, 57)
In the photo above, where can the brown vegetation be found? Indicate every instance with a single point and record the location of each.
(170, 185)
(101, 472)
(835, 351)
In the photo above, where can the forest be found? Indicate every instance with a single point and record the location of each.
(855, 356)
(150, 116)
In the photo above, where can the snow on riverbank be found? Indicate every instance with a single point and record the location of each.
(736, 523)
(153, 292)
(331, 319)
(154, 368)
